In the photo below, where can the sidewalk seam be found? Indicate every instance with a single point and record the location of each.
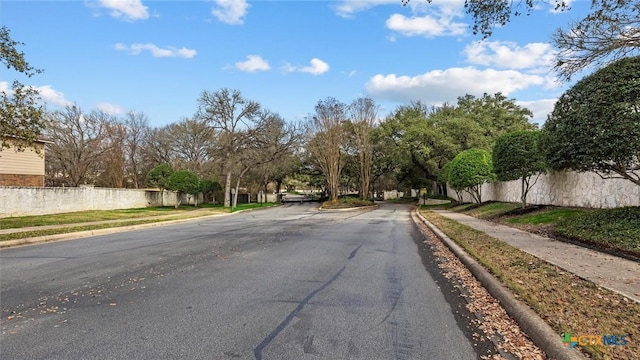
(536, 328)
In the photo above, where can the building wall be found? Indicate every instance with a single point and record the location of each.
(25, 162)
(21, 180)
(565, 189)
(22, 167)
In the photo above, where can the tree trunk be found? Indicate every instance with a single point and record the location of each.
(523, 193)
(227, 190)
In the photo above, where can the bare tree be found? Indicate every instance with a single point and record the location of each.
(192, 140)
(112, 163)
(77, 145)
(609, 33)
(157, 148)
(138, 131)
(363, 115)
(326, 138)
(270, 141)
(233, 118)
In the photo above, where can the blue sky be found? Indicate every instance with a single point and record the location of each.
(158, 56)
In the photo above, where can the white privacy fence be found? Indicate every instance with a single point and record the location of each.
(565, 189)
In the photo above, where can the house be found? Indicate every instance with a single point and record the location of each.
(22, 167)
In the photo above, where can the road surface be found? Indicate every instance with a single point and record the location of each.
(284, 283)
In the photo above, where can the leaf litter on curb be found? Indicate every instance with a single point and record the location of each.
(493, 320)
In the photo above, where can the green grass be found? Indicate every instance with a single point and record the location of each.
(161, 214)
(346, 202)
(567, 303)
(546, 216)
(614, 228)
(450, 206)
(253, 206)
(403, 200)
(461, 207)
(493, 209)
(88, 216)
(64, 230)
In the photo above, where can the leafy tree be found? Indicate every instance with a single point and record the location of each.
(431, 137)
(184, 181)
(208, 188)
(159, 176)
(595, 125)
(516, 155)
(21, 115)
(469, 170)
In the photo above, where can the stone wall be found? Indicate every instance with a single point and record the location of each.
(22, 201)
(565, 189)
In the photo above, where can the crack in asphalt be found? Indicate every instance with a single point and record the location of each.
(257, 352)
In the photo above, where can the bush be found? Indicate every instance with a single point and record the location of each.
(469, 170)
(595, 125)
(516, 155)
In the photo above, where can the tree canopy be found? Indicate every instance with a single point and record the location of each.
(21, 114)
(159, 176)
(595, 125)
(469, 170)
(517, 155)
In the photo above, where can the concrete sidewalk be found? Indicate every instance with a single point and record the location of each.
(611, 272)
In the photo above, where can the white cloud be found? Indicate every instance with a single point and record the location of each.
(439, 86)
(230, 11)
(130, 10)
(348, 8)
(48, 94)
(254, 63)
(508, 55)
(52, 96)
(540, 108)
(316, 67)
(428, 26)
(110, 109)
(156, 51)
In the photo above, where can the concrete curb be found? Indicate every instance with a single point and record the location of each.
(536, 328)
(106, 231)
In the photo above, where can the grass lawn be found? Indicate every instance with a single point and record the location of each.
(567, 303)
(143, 216)
(88, 216)
(545, 216)
(70, 229)
(608, 229)
(618, 229)
(493, 210)
(346, 202)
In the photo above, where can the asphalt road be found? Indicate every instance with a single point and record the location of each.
(284, 283)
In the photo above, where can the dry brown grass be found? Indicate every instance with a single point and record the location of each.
(566, 302)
